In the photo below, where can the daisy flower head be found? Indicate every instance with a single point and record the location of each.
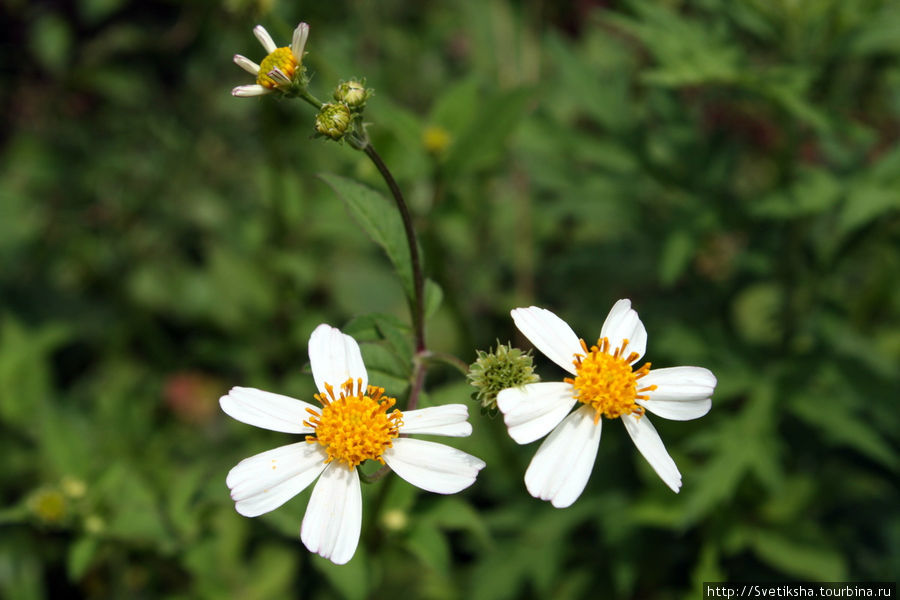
(355, 422)
(282, 69)
(606, 385)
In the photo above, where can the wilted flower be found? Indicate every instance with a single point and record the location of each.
(502, 368)
(354, 424)
(608, 386)
(281, 69)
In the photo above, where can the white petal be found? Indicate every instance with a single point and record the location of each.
(531, 411)
(677, 411)
(623, 323)
(549, 334)
(298, 42)
(267, 410)
(648, 442)
(265, 39)
(450, 420)
(679, 383)
(562, 465)
(246, 64)
(249, 91)
(431, 466)
(266, 481)
(333, 518)
(335, 358)
(682, 393)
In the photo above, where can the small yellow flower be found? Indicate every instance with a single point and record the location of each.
(48, 505)
(435, 139)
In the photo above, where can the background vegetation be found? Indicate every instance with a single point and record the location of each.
(732, 166)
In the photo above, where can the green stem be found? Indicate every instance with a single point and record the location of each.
(315, 102)
(418, 308)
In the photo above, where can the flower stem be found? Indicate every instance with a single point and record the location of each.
(418, 381)
(418, 307)
(309, 98)
(376, 475)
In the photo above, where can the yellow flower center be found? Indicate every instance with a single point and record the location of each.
(354, 426)
(606, 382)
(280, 58)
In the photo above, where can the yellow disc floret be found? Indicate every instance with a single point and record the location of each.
(280, 58)
(606, 382)
(354, 426)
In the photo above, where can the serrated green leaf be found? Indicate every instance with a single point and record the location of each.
(380, 220)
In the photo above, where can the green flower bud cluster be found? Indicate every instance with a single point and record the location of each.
(343, 118)
(502, 368)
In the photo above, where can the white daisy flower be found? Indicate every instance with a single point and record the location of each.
(278, 68)
(607, 385)
(352, 426)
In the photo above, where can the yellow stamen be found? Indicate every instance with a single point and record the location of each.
(354, 426)
(281, 58)
(606, 382)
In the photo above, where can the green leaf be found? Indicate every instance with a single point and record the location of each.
(456, 106)
(434, 295)
(803, 559)
(350, 580)
(25, 376)
(380, 220)
(455, 514)
(428, 543)
(843, 424)
(482, 142)
(677, 253)
(81, 553)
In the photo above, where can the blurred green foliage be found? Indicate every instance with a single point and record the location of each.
(733, 167)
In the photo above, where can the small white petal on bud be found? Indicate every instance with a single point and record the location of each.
(246, 64)
(279, 77)
(264, 38)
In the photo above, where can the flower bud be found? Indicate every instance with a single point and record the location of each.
(492, 372)
(352, 93)
(333, 120)
(73, 487)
